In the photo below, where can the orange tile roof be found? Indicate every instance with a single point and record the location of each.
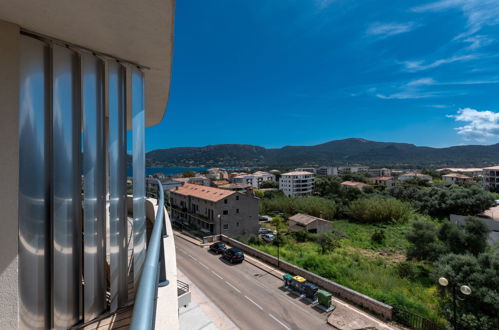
(353, 183)
(202, 192)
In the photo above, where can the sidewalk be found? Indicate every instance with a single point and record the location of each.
(344, 317)
(202, 313)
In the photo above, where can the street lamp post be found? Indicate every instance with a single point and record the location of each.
(465, 290)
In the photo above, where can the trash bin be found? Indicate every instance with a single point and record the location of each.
(296, 284)
(310, 290)
(287, 279)
(325, 299)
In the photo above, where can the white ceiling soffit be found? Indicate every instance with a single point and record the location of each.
(133, 30)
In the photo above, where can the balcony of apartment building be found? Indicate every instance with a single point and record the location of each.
(77, 251)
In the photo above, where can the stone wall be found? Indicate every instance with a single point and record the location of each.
(368, 303)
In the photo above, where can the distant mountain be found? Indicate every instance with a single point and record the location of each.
(338, 152)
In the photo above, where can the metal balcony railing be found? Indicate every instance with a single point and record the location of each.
(152, 276)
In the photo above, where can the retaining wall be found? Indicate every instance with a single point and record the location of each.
(370, 304)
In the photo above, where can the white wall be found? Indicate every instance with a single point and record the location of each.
(9, 174)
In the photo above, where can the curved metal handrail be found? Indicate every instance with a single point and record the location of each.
(144, 310)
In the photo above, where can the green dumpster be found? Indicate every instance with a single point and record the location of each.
(287, 278)
(324, 298)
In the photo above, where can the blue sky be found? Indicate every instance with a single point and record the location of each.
(275, 73)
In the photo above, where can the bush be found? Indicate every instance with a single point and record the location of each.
(378, 236)
(380, 209)
(255, 240)
(425, 243)
(302, 236)
(406, 270)
(316, 206)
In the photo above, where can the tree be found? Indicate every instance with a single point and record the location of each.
(425, 243)
(327, 243)
(379, 209)
(189, 174)
(476, 235)
(269, 184)
(470, 238)
(480, 309)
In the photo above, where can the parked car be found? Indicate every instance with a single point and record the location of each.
(268, 237)
(234, 255)
(265, 218)
(218, 247)
(263, 230)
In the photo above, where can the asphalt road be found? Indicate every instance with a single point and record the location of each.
(249, 296)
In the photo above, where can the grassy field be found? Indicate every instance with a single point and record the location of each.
(367, 267)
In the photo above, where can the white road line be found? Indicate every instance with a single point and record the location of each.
(278, 321)
(192, 257)
(254, 303)
(232, 286)
(220, 277)
(203, 265)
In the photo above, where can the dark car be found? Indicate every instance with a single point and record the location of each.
(218, 247)
(234, 255)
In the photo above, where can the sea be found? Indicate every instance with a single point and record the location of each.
(167, 171)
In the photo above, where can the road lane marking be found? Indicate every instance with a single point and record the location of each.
(203, 265)
(278, 321)
(232, 286)
(220, 277)
(254, 303)
(192, 257)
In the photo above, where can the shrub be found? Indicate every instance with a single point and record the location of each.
(406, 270)
(380, 209)
(302, 236)
(316, 206)
(255, 240)
(425, 243)
(378, 236)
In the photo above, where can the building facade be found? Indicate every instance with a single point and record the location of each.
(378, 172)
(412, 175)
(327, 170)
(214, 211)
(352, 169)
(383, 181)
(297, 183)
(491, 177)
(254, 180)
(309, 223)
(456, 178)
(75, 77)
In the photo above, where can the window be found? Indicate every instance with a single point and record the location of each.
(237, 224)
(237, 198)
(237, 210)
(226, 226)
(226, 212)
(225, 201)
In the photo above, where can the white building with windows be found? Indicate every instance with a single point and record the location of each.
(327, 170)
(255, 179)
(491, 177)
(297, 183)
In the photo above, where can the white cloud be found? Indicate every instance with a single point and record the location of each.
(414, 89)
(478, 13)
(421, 65)
(384, 30)
(478, 41)
(480, 124)
(421, 82)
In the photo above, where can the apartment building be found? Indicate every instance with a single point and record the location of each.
(214, 211)
(254, 180)
(217, 174)
(327, 170)
(456, 178)
(297, 183)
(306, 169)
(352, 169)
(74, 78)
(491, 177)
(380, 172)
